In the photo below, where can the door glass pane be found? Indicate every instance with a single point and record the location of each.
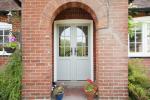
(79, 51)
(61, 51)
(85, 51)
(64, 40)
(67, 51)
(79, 41)
(82, 40)
(67, 41)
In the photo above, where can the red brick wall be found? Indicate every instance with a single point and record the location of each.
(111, 46)
(16, 22)
(146, 62)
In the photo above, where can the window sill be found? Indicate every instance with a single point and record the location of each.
(3, 53)
(132, 55)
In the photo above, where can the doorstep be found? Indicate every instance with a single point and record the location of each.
(73, 90)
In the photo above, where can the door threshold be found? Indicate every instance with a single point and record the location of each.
(72, 83)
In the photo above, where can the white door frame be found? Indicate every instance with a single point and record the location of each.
(72, 21)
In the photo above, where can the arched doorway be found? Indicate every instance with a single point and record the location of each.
(73, 45)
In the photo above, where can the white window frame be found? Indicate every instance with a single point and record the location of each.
(145, 21)
(5, 26)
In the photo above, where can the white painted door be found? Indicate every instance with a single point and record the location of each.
(73, 52)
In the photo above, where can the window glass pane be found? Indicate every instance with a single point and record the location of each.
(1, 32)
(136, 39)
(1, 47)
(132, 47)
(6, 39)
(139, 47)
(6, 32)
(1, 39)
(132, 38)
(139, 37)
(148, 37)
(138, 27)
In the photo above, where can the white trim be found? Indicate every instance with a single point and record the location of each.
(139, 54)
(92, 63)
(72, 21)
(144, 21)
(5, 26)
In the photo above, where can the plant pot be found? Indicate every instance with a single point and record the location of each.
(9, 50)
(59, 97)
(90, 96)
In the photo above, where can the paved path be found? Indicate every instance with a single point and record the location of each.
(74, 91)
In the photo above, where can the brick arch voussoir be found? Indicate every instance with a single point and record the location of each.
(98, 10)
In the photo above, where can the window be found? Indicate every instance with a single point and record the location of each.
(5, 30)
(139, 42)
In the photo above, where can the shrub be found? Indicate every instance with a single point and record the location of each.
(138, 81)
(10, 78)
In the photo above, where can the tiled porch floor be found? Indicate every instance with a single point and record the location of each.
(73, 92)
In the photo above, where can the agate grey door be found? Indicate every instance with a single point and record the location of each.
(73, 52)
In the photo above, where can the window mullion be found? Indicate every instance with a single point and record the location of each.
(3, 39)
(135, 39)
(144, 38)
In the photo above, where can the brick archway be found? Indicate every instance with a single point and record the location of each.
(56, 6)
(111, 46)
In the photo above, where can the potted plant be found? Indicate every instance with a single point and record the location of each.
(10, 47)
(58, 92)
(90, 89)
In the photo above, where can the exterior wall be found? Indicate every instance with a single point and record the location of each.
(111, 46)
(16, 22)
(16, 28)
(146, 62)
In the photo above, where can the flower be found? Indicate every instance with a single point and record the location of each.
(12, 42)
(90, 87)
(12, 38)
(90, 81)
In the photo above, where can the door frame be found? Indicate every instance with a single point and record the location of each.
(72, 21)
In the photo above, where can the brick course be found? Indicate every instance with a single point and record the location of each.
(110, 44)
